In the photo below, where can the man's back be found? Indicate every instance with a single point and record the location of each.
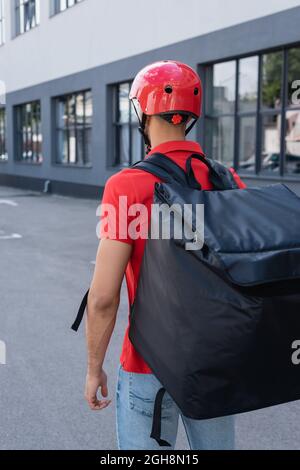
(138, 187)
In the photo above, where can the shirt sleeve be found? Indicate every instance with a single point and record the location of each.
(238, 180)
(118, 195)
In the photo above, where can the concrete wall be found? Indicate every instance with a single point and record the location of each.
(246, 38)
(97, 32)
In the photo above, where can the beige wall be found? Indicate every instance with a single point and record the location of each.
(101, 31)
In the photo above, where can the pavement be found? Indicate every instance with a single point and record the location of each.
(47, 248)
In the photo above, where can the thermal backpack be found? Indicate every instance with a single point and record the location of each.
(219, 326)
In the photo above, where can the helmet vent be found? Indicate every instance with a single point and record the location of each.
(168, 89)
(196, 91)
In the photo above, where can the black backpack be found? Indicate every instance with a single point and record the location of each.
(220, 326)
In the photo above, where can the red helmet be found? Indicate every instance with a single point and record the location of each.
(167, 88)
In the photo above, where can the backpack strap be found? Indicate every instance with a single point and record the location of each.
(80, 313)
(167, 170)
(156, 421)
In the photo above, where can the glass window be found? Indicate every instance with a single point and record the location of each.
(272, 79)
(128, 144)
(247, 142)
(27, 15)
(224, 81)
(124, 133)
(292, 141)
(271, 99)
(220, 102)
(28, 132)
(124, 105)
(2, 23)
(271, 131)
(246, 112)
(293, 77)
(3, 152)
(58, 6)
(220, 134)
(248, 84)
(74, 114)
(260, 133)
(292, 114)
(88, 108)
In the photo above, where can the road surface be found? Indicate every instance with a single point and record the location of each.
(47, 246)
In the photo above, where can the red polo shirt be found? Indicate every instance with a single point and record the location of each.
(138, 186)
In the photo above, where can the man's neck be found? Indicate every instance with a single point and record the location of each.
(169, 138)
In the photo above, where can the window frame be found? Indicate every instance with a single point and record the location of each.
(18, 114)
(3, 127)
(55, 6)
(286, 108)
(2, 24)
(260, 113)
(19, 16)
(55, 102)
(114, 161)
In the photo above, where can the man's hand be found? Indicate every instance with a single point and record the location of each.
(93, 383)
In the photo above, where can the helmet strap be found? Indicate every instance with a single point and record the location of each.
(145, 136)
(188, 129)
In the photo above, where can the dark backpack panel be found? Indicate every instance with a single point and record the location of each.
(217, 325)
(216, 348)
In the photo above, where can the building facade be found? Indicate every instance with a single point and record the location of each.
(66, 67)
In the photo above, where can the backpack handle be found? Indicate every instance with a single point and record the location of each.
(201, 157)
(220, 177)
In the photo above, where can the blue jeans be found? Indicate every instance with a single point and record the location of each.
(135, 397)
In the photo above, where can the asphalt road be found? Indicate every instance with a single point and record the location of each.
(47, 245)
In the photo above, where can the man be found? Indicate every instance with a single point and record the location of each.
(167, 98)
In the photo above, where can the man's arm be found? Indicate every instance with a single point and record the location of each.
(102, 305)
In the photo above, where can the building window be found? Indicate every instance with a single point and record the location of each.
(28, 132)
(3, 151)
(220, 111)
(27, 14)
(128, 144)
(270, 111)
(73, 115)
(2, 23)
(252, 112)
(292, 113)
(57, 6)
